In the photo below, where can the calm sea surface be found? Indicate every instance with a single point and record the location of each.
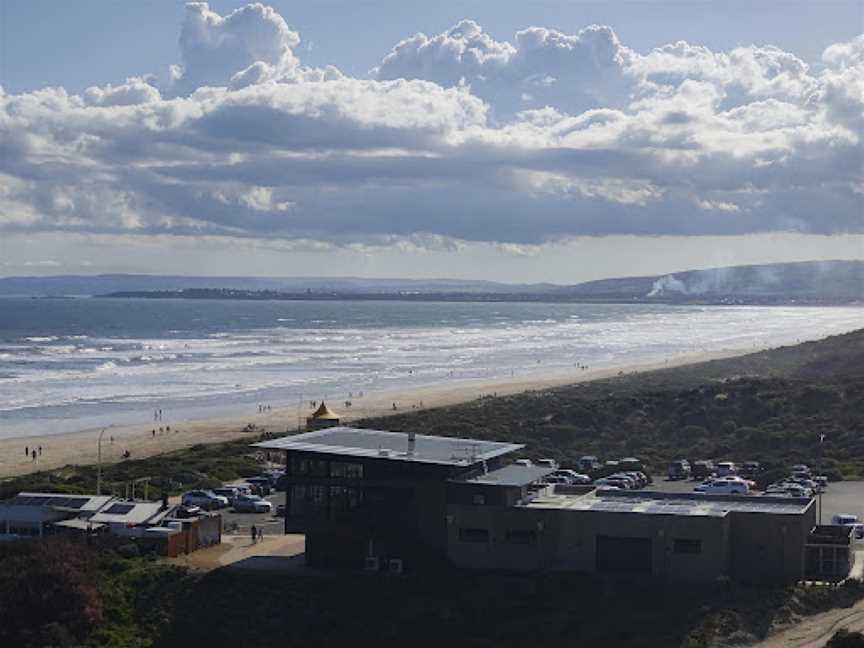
(71, 364)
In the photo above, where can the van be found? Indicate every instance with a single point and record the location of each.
(679, 470)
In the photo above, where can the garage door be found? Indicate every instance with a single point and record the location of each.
(623, 555)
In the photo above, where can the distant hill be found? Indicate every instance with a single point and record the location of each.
(823, 282)
(116, 283)
(811, 281)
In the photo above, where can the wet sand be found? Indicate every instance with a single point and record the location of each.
(81, 447)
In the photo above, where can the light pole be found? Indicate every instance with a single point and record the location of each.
(99, 463)
(819, 472)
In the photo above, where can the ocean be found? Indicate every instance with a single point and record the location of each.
(73, 364)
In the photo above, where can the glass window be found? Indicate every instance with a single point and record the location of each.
(319, 468)
(474, 535)
(298, 500)
(346, 470)
(299, 466)
(687, 546)
(318, 496)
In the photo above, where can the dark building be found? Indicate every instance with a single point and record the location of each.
(368, 493)
(385, 497)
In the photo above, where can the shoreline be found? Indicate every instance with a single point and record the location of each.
(80, 448)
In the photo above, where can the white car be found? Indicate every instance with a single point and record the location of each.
(207, 500)
(575, 477)
(723, 487)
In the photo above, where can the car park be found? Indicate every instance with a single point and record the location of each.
(207, 500)
(252, 504)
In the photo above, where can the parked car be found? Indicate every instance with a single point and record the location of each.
(750, 468)
(558, 479)
(260, 485)
(702, 469)
(679, 469)
(726, 468)
(588, 464)
(801, 470)
(723, 487)
(575, 477)
(207, 500)
(187, 511)
(523, 462)
(547, 463)
(631, 464)
(252, 504)
(229, 492)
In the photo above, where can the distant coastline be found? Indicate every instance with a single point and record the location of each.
(404, 296)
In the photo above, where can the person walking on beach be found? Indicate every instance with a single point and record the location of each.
(261, 534)
(254, 532)
(26, 451)
(33, 454)
(40, 451)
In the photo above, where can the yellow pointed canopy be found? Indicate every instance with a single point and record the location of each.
(324, 413)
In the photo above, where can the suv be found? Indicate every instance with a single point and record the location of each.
(726, 469)
(679, 470)
(588, 464)
(207, 500)
(702, 469)
(228, 492)
(252, 504)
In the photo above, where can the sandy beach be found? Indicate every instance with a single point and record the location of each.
(81, 447)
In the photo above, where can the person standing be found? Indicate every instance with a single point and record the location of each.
(261, 534)
(254, 532)
(26, 451)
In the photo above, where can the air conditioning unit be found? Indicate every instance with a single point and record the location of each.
(395, 566)
(371, 564)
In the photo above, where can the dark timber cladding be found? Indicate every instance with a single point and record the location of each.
(358, 493)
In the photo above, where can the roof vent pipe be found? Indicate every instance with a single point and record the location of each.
(412, 439)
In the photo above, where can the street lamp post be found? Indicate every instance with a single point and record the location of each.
(99, 463)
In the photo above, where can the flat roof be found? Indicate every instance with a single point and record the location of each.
(510, 475)
(379, 444)
(63, 501)
(78, 524)
(691, 504)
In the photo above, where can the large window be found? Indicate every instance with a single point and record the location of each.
(299, 466)
(474, 535)
(346, 470)
(687, 546)
(298, 500)
(343, 498)
(319, 468)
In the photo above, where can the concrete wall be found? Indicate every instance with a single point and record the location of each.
(565, 539)
(769, 548)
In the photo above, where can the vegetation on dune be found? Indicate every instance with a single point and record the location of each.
(772, 407)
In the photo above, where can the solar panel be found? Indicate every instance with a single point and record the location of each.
(119, 509)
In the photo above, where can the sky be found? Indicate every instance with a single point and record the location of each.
(537, 141)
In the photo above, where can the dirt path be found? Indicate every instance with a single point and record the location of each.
(815, 631)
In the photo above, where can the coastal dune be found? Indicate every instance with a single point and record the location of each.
(82, 447)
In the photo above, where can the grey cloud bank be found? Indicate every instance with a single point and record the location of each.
(456, 136)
